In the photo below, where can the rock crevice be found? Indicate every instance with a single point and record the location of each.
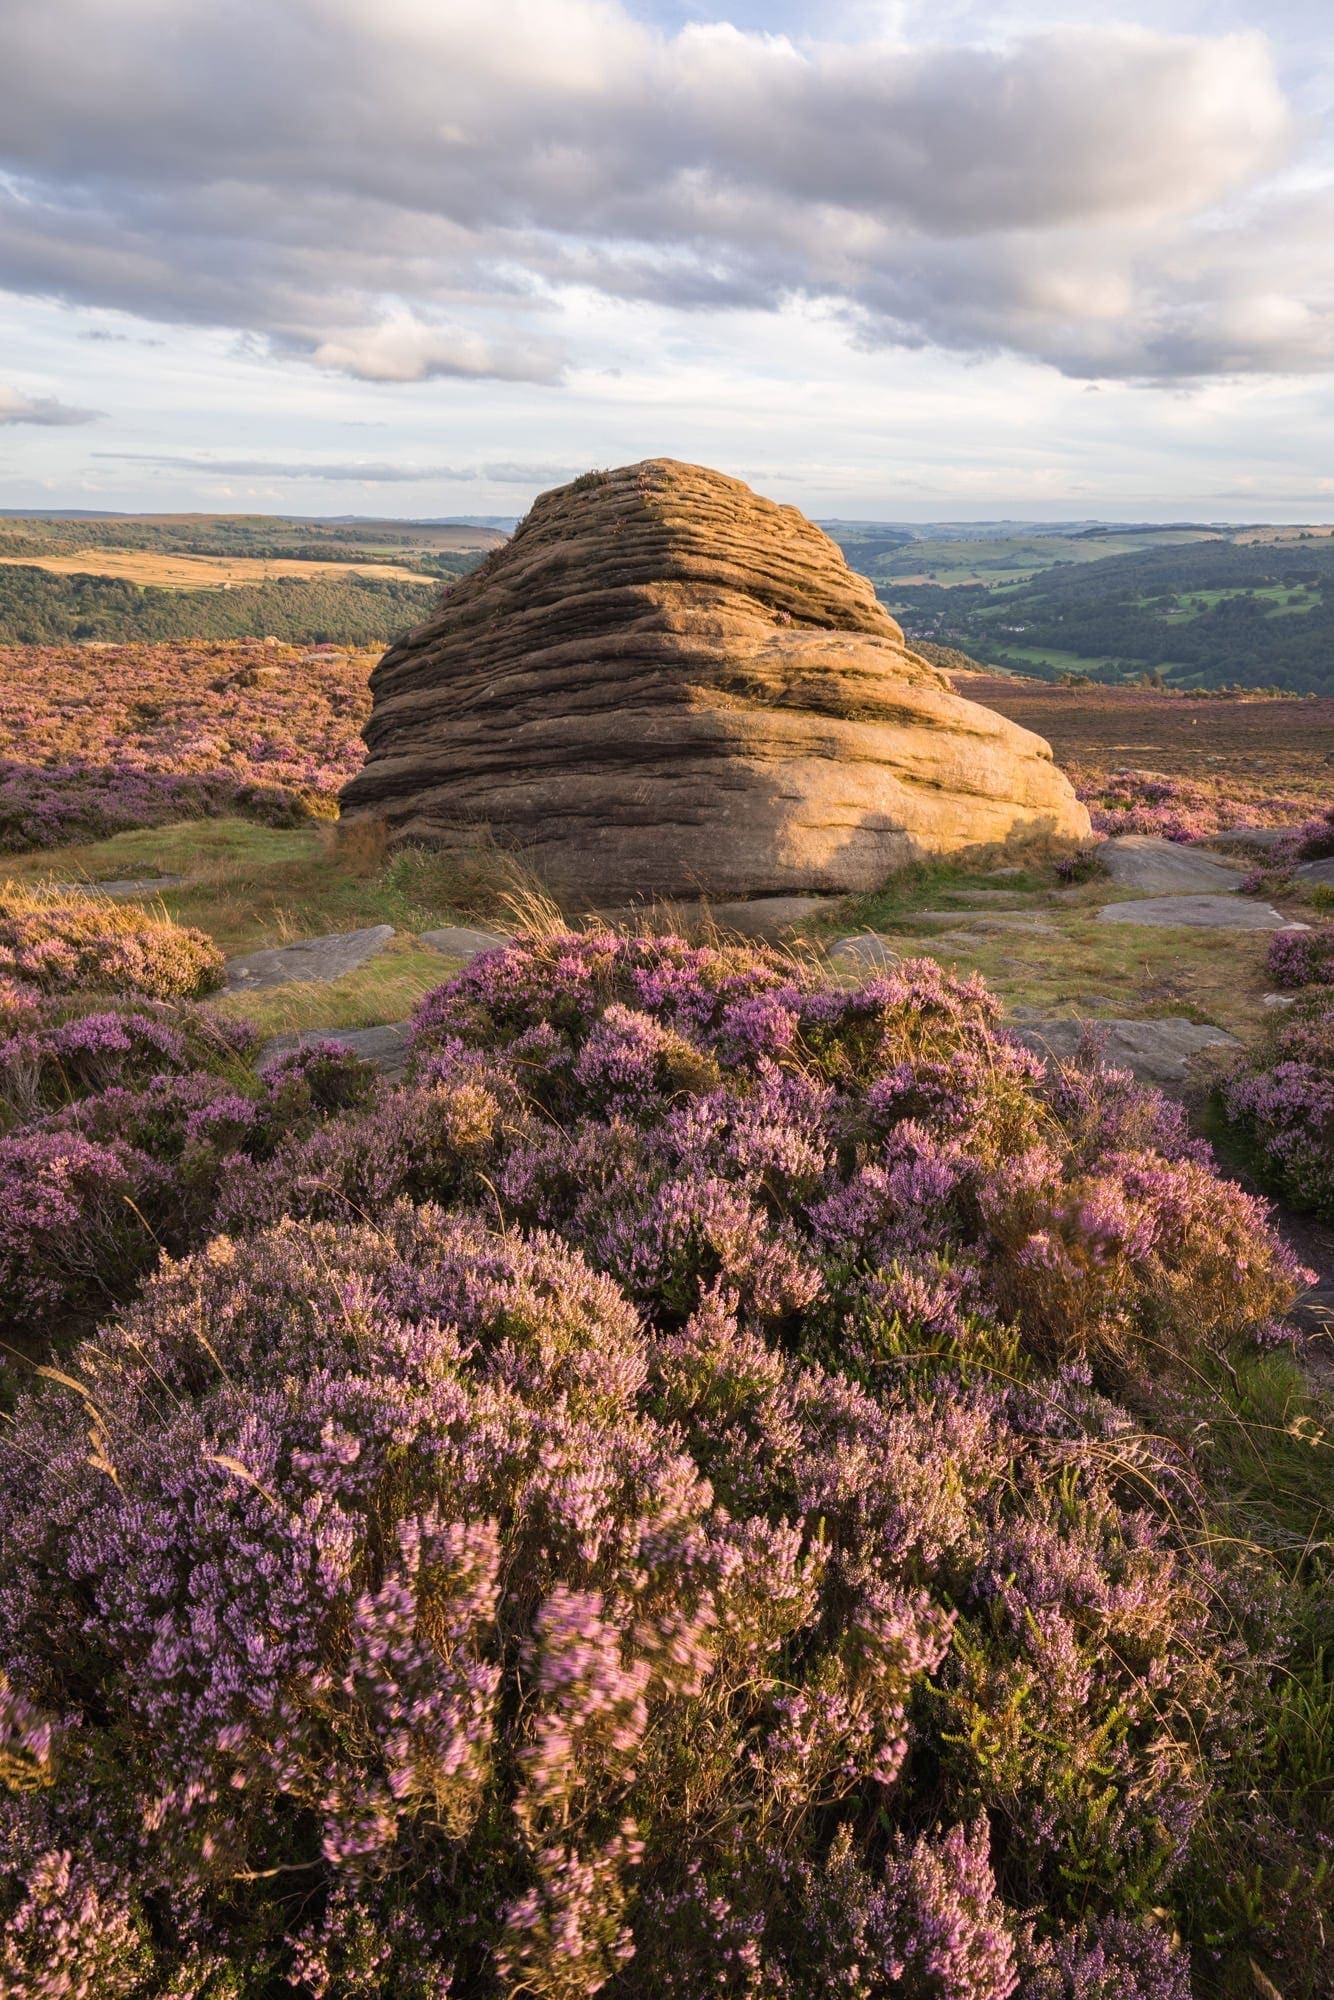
(664, 685)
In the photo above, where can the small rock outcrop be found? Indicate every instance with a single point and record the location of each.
(1158, 1052)
(313, 960)
(1165, 867)
(665, 686)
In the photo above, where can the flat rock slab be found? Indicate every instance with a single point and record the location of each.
(313, 960)
(1317, 871)
(386, 1047)
(1140, 861)
(147, 885)
(1158, 1052)
(866, 952)
(458, 941)
(1201, 913)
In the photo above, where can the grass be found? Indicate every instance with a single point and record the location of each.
(386, 988)
(1281, 600)
(1107, 970)
(252, 886)
(255, 886)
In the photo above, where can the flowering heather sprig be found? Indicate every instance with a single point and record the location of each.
(20, 1006)
(73, 1234)
(947, 1918)
(1109, 1959)
(73, 1936)
(82, 943)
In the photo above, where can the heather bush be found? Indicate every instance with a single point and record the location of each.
(74, 1236)
(411, 1572)
(1280, 1095)
(122, 1123)
(1084, 866)
(638, 1508)
(1316, 837)
(694, 1115)
(1301, 958)
(62, 1048)
(86, 943)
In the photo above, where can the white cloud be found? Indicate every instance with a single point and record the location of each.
(403, 189)
(47, 411)
(402, 348)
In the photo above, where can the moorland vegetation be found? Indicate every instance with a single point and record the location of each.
(93, 742)
(719, 1481)
(723, 1478)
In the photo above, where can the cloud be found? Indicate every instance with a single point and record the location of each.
(405, 349)
(16, 408)
(350, 471)
(399, 191)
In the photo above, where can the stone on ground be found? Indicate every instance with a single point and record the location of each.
(1208, 913)
(1158, 1052)
(458, 941)
(665, 686)
(867, 952)
(1317, 871)
(142, 885)
(385, 1046)
(1141, 861)
(313, 959)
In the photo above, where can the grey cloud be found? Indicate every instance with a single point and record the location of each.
(45, 411)
(398, 191)
(350, 471)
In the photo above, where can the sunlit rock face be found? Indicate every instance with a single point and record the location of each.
(666, 686)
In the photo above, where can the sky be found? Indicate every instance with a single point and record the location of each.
(884, 259)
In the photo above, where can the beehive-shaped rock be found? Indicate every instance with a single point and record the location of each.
(664, 685)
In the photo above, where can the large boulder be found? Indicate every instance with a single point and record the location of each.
(664, 685)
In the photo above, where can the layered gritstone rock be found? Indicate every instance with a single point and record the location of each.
(664, 685)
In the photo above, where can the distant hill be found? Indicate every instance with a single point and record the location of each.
(1197, 605)
(37, 608)
(207, 576)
